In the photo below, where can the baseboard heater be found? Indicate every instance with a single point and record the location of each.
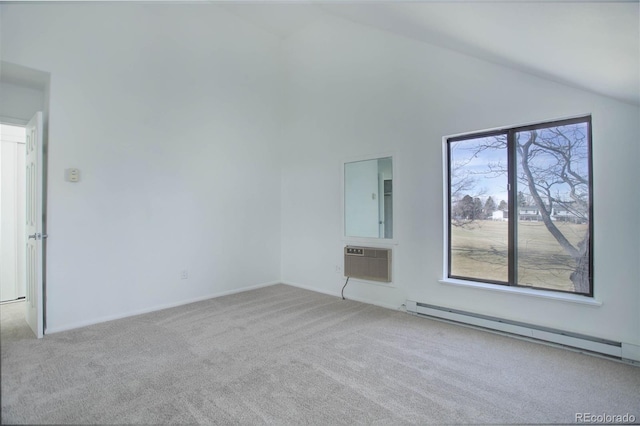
(574, 340)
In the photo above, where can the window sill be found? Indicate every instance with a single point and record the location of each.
(544, 294)
(370, 241)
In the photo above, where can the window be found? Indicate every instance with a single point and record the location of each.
(520, 206)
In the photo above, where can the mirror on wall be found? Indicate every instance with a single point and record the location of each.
(368, 198)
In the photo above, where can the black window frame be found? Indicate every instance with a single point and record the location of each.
(510, 133)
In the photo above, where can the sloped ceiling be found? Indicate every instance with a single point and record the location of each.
(586, 44)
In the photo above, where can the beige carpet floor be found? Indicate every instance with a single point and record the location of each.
(286, 356)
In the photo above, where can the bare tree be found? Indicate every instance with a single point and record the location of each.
(489, 207)
(549, 160)
(464, 189)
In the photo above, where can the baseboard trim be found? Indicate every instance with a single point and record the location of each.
(107, 318)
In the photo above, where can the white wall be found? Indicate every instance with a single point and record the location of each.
(361, 198)
(170, 113)
(18, 103)
(355, 91)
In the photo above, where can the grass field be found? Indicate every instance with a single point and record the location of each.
(480, 251)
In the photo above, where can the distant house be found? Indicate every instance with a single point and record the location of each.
(565, 215)
(501, 215)
(529, 213)
(560, 214)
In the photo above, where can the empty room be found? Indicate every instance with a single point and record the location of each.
(320, 212)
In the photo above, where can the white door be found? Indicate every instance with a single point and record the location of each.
(33, 228)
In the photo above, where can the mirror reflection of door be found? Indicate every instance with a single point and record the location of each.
(388, 208)
(368, 198)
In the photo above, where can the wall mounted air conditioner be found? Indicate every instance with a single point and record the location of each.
(368, 263)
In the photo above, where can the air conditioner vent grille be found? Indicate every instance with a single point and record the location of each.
(367, 263)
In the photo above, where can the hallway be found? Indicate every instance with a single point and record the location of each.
(13, 326)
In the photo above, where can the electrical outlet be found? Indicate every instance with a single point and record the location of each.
(338, 269)
(184, 274)
(72, 175)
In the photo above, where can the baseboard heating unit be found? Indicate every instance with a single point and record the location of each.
(578, 341)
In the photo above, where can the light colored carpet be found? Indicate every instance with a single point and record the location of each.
(283, 355)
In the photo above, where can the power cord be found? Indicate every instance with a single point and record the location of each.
(345, 284)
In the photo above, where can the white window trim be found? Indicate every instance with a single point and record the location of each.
(523, 291)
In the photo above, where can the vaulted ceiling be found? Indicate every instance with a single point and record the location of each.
(586, 44)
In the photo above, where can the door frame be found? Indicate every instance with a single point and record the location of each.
(43, 199)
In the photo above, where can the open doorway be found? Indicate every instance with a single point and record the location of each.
(25, 103)
(12, 212)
